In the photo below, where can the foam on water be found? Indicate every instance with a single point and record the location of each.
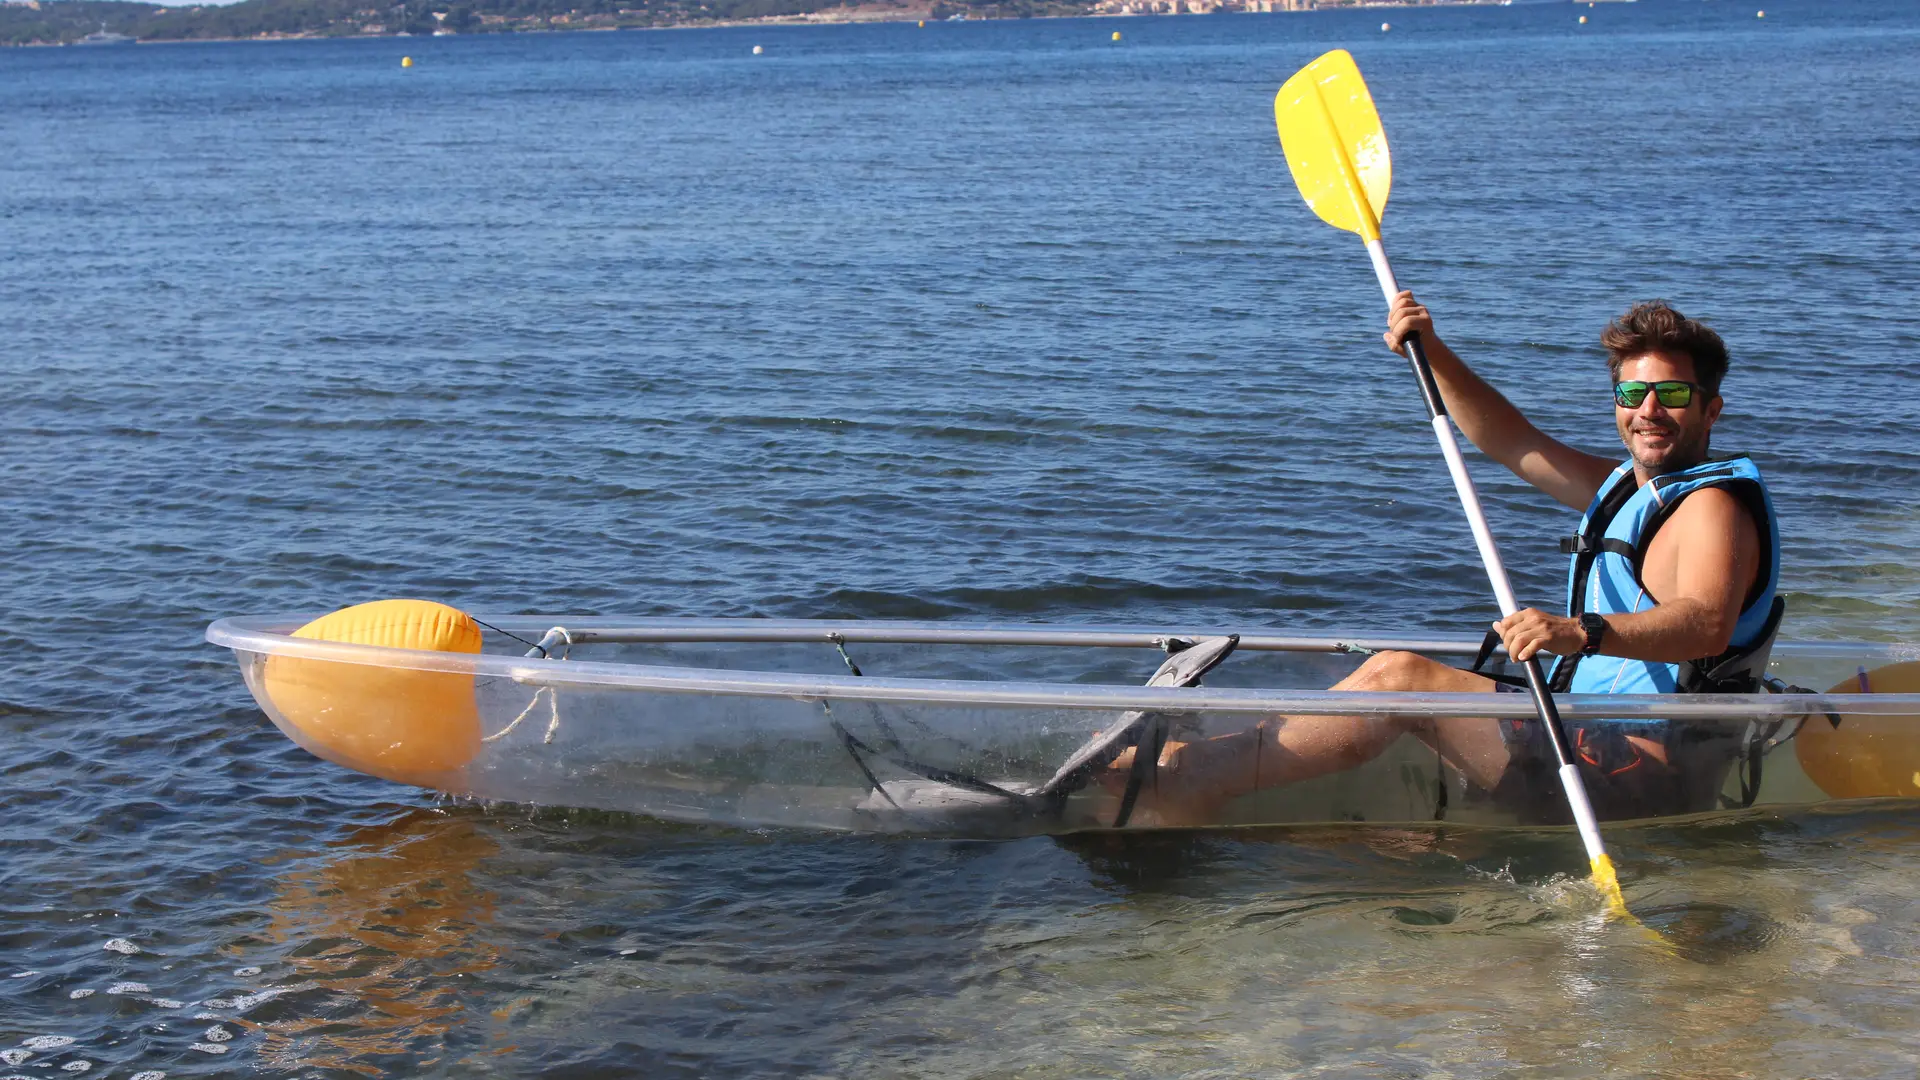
(245, 1002)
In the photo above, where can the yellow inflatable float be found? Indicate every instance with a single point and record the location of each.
(1865, 757)
(415, 727)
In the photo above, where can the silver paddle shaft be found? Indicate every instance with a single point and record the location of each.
(1443, 431)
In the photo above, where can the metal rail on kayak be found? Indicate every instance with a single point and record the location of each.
(909, 633)
(604, 629)
(269, 635)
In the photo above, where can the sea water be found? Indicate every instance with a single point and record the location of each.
(1000, 321)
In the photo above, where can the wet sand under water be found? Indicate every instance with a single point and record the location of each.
(463, 941)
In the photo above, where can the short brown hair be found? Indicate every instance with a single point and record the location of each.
(1654, 326)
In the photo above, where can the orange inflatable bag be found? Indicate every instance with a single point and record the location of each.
(416, 727)
(1866, 757)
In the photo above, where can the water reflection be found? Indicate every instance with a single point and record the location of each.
(380, 932)
(1347, 951)
(1471, 947)
(1439, 881)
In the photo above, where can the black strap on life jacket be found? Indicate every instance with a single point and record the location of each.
(1580, 545)
(1585, 546)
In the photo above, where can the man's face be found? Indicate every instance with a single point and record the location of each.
(1663, 440)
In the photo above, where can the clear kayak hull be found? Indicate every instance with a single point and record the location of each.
(954, 728)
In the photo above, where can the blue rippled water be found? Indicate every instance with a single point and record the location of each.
(989, 321)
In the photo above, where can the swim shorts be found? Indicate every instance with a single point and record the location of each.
(1623, 779)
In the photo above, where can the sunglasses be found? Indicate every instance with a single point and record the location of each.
(1670, 393)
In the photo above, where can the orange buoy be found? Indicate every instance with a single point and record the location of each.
(398, 723)
(1866, 756)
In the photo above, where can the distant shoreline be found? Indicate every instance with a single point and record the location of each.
(904, 11)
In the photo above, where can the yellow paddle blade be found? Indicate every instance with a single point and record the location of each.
(1334, 143)
(1608, 882)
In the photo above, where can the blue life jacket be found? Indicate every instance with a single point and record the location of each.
(1604, 577)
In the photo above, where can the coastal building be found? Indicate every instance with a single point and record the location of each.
(1204, 7)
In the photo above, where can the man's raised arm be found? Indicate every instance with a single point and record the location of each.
(1492, 423)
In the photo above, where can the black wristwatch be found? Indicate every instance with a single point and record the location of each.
(1596, 629)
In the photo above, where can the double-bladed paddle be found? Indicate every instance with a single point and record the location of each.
(1338, 153)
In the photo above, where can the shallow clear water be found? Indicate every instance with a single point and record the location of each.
(990, 321)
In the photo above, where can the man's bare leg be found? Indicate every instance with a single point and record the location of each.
(1195, 780)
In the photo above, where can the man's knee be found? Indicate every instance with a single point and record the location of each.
(1396, 670)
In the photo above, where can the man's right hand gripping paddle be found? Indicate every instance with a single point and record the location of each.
(1338, 153)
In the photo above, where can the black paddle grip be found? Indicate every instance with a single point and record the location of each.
(1417, 359)
(1549, 713)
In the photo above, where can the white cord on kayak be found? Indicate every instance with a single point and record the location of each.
(553, 724)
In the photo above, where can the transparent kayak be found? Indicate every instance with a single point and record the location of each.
(961, 729)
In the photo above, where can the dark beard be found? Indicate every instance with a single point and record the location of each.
(1680, 459)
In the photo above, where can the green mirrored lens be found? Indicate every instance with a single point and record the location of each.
(1630, 394)
(1674, 395)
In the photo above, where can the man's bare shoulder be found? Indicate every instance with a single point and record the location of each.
(1713, 510)
(1709, 549)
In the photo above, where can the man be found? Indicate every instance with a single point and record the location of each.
(1677, 560)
